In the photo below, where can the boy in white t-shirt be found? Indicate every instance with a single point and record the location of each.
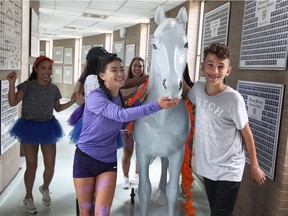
(221, 128)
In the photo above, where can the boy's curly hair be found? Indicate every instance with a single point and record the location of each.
(220, 50)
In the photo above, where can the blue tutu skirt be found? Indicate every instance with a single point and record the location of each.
(76, 115)
(37, 132)
(120, 140)
(75, 132)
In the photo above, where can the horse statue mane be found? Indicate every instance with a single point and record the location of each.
(164, 133)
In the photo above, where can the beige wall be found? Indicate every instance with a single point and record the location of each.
(10, 160)
(272, 198)
(66, 89)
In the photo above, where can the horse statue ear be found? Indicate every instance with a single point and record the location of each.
(160, 15)
(182, 16)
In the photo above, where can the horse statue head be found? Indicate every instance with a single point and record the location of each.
(164, 133)
(169, 53)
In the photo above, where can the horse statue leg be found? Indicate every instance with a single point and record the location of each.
(175, 164)
(144, 187)
(159, 196)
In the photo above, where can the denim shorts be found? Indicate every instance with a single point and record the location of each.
(85, 166)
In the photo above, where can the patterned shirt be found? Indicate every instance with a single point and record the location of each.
(39, 100)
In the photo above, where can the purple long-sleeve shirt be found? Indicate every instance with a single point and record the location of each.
(102, 120)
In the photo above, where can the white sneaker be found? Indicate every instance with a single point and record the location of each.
(46, 199)
(125, 183)
(30, 207)
(135, 179)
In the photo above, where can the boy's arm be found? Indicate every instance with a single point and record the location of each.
(257, 174)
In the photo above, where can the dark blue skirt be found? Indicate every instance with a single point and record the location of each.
(75, 132)
(37, 132)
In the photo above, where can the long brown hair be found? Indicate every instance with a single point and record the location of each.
(130, 74)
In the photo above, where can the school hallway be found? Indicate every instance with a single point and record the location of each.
(62, 189)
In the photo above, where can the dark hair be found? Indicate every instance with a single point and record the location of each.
(187, 76)
(33, 75)
(220, 50)
(130, 74)
(101, 69)
(93, 56)
(96, 52)
(91, 68)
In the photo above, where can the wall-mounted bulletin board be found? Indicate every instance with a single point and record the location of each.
(264, 106)
(34, 34)
(8, 116)
(84, 52)
(129, 54)
(10, 35)
(265, 35)
(68, 56)
(57, 74)
(118, 48)
(67, 75)
(216, 23)
(150, 50)
(98, 45)
(58, 55)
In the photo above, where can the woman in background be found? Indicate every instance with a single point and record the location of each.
(136, 69)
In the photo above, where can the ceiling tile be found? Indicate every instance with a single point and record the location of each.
(54, 15)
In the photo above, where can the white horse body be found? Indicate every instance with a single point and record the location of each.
(164, 133)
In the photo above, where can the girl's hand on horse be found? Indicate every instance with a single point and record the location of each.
(167, 102)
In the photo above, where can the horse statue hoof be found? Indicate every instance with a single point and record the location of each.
(159, 197)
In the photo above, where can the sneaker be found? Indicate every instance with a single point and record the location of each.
(125, 183)
(46, 199)
(29, 204)
(135, 179)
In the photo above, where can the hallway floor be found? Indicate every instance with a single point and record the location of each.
(63, 194)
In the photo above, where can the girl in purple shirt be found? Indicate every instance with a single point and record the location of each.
(95, 160)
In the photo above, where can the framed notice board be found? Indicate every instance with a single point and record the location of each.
(118, 48)
(264, 106)
(264, 42)
(10, 34)
(216, 23)
(8, 116)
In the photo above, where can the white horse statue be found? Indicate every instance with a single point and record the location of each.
(164, 133)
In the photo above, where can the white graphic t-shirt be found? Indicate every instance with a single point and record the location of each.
(91, 83)
(219, 150)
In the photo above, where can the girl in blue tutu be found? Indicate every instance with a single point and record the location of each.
(37, 125)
